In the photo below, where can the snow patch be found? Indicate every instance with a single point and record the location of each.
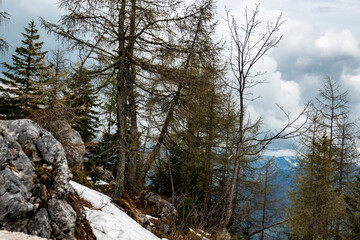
(291, 163)
(148, 217)
(288, 160)
(200, 235)
(17, 236)
(109, 222)
(98, 182)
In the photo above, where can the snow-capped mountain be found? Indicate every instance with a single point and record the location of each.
(286, 162)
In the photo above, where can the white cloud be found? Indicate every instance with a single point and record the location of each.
(338, 43)
(281, 152)
(276, 91)
(305, 44)
(352, 83)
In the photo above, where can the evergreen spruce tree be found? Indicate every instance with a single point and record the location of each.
(80, 102)
(23, 82)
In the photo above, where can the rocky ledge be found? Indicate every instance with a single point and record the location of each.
(34, 182)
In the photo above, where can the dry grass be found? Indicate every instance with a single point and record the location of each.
(83, 230)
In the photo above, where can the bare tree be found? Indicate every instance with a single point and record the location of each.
(332, 104)
(248, 46)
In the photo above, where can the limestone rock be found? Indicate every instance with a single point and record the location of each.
(163, 208)
(105, 175)
(71, 141)
(34, 182)
(41, 224)
(160, 209)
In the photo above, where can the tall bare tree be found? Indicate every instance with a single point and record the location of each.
(248, 46)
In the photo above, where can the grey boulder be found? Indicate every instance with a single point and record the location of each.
(34, 182)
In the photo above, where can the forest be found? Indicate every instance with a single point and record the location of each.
(163, 105)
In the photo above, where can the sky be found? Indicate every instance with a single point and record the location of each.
(320, 38)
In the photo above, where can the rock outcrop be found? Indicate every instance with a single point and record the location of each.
(162, 211)
(34, 182)
(72, 142)
(105, 175)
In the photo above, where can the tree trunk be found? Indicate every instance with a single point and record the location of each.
(238, 156)
(121, 106)
(133, 135)
(264, 203)
(164, 130)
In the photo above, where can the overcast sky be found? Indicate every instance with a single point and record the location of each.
(320, 38)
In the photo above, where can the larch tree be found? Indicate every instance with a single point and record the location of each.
(191, 59)
(314, 204)
(333, 105)
(127, 38)
(188, 123)
(269, 203)
(25, 79)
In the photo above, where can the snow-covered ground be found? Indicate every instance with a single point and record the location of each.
(107, 221)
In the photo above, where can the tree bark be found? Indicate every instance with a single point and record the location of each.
(121, 106)
(264, 203)
(133, 134)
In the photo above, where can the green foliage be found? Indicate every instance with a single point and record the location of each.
(314, 204)
(103, 153)
(81, 101)
(189, 177)
(23, 85)
(352, 200)
(80, 176)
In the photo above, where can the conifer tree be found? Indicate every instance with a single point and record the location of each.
(80, 102)
(128, 39)
(23, 84)
(314, 204)
(333, 106)
(352, 199)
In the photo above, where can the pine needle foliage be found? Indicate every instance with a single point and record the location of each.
(80, 100)
(353, 211)
(23, 83)
(315, 205)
